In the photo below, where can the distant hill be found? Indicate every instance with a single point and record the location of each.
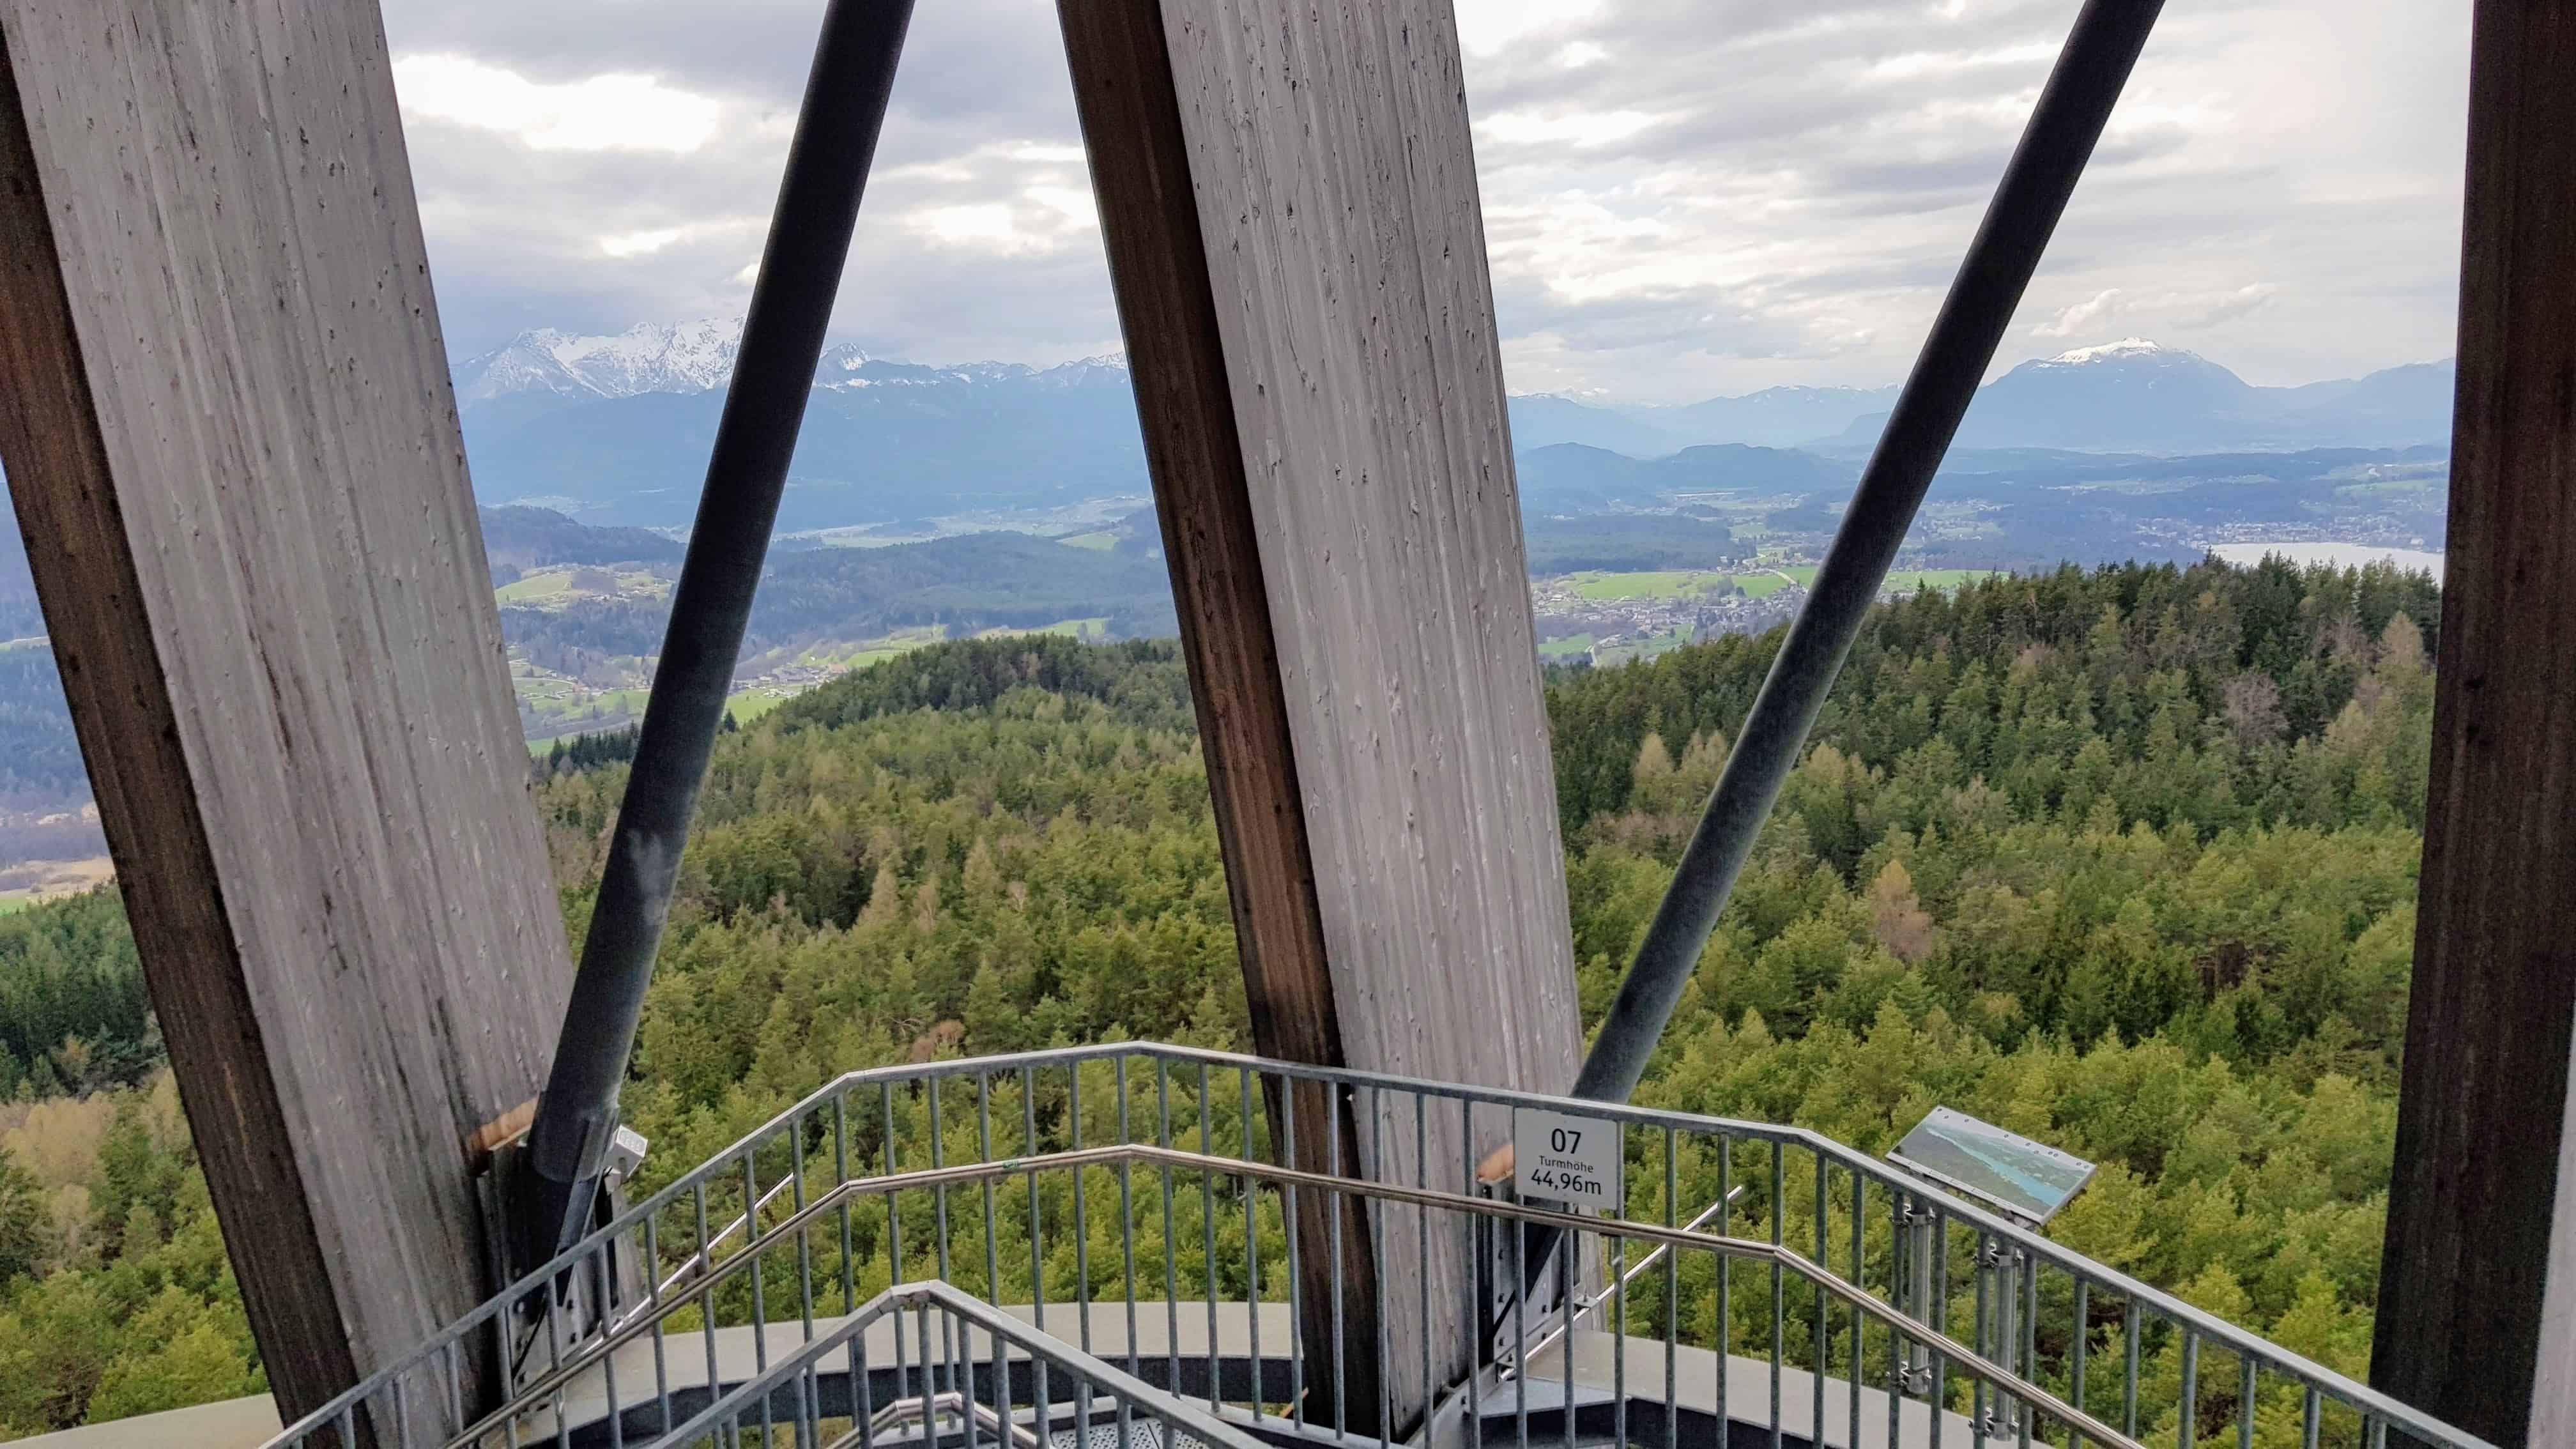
(1572, 478)
(2135, 395)
(888, 442)
(518, 539)
(616, 430)
(1544, 421)
(966, 584)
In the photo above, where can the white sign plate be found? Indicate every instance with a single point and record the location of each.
(1572, 1160)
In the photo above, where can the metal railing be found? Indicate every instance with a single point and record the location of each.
(1132, 1204)
(959, 1371)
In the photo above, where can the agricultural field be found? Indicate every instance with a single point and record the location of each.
(1651, 584)
(553, 588)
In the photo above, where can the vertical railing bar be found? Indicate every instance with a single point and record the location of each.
(2027, 1266)
(894, 1250)
(1207, 1213)
(2186, 1428)
(2083, 1345)
(1171, 1249)
(929, 1385)
(1042, 1388)
(1377, 1250)
(804, 1232)
(1422, 1250)
(951, 1327)
(1520, 1325)
(555, 1352)
(1673, 1296)
(1296, 1276)
(1243, 1089)
(1779, 1282)
(1940, 1322)
(1476, 1260)
(1817, 1424)
(1860, 1282)
(1618, 1345)
(1725, 1281)
(607, 1361)
(2309, 1417)
(753, 1244)
(1981, 1273)
(453, 1356)
(2245, 1401)
(1336, 1202)
(1567, 1249)
(2129, 1390)
(707, 1289)
(1037, 1235)
(1081, 1216)
(1899, 1376)
(661, 1328)
(1127, 1214)
(856, 1350)
(984, 1153)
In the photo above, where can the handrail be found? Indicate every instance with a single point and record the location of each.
(926, 1410)
(932, 1293)
(1619, 1286)
(2214, 1331)
(1948, 1349)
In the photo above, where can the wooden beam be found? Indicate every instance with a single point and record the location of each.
(2477, 1310)
(1289, 202)
(226, 417)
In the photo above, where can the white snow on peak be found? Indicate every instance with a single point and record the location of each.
(649, 357)
(695, 357)
(2125, 347)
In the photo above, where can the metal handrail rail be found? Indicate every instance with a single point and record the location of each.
(546, 1385)
(1619, 1285)
(958, 1304)
(732, 1160)
(927, 1409)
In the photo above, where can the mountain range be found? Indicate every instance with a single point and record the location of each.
(617, 429)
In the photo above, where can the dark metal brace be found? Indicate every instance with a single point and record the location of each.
(782, 342)
(2074, 106)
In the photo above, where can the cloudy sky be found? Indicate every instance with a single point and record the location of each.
(1683, 198)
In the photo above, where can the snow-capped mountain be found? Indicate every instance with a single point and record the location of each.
(619, 429)
(649, 357)
(548, 365)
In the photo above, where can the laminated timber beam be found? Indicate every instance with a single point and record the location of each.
(1288, 198)
(2477, 1294)
(228, 428)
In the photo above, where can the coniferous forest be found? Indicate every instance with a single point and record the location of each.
(2121, 859)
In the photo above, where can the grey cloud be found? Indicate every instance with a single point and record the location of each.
(1791, 216)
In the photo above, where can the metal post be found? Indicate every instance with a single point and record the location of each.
(1920, 1230)
(782, 341)
(2063, 127)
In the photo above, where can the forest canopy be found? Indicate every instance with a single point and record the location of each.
(2123, 859)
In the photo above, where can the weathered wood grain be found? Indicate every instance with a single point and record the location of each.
(2477, 1310)
(226, 417)
(1331, 203)
(1158, 266)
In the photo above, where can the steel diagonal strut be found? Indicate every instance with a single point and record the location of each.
(782, 341)
(2074, 105)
